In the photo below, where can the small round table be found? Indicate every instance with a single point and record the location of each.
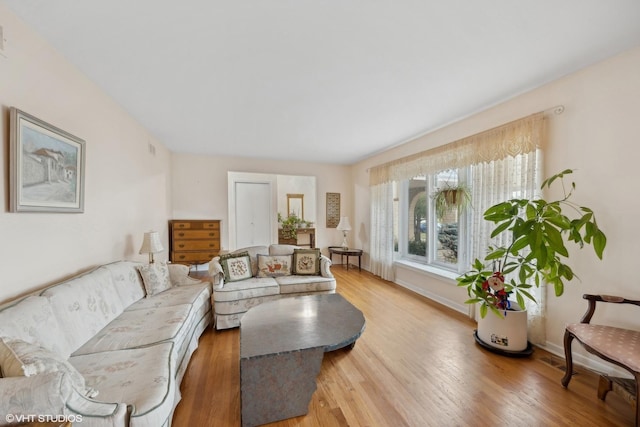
(339, 250)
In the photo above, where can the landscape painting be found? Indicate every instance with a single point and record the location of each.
(46, 168)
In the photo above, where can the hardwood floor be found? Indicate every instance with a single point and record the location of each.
(416, 364)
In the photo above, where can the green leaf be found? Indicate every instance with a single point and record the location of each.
(483, 310)
(500, 228)
(599, 243)
(497, 254)
(528, 295)
(520, 300)
(558, 286)
(554, 239)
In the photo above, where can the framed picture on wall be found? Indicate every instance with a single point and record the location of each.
(333, 210)
(46, 166)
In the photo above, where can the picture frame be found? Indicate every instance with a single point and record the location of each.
(46, 166)
(333, 210)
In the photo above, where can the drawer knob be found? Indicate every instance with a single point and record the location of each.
(181, 245)
(181, 234)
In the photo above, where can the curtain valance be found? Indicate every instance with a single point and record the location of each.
(511, 139)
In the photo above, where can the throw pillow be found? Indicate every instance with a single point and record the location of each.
(306, 262)
(236, 266)
(274, 266)
(19, 358)
(155, 277)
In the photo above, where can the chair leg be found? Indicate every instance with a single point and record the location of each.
(605, 385)
(568, 338)
(637, 376)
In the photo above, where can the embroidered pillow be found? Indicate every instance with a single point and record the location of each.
(22, 359)
(306, 262)
(155, 277)
(274, 265)
(236, 266)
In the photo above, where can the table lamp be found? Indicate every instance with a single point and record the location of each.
(151, 244)
(344, 226)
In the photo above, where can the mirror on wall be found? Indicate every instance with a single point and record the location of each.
(295, 205)
(297, 193)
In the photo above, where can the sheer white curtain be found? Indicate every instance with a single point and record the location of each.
(505, 162)
(492, 183)
(381, 250)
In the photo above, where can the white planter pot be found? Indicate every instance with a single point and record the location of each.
(507, 332)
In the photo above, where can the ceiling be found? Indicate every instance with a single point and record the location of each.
(326, 81)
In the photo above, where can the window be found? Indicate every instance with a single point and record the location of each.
(422, 235)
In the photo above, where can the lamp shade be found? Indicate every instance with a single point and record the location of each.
(151, 243)
(344, 224)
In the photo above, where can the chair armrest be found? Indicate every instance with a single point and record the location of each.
(325, 267)
(179, 275)
(593, 299)
(216, 272)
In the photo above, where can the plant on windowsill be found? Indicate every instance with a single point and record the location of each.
(536, 253)
(451, 197)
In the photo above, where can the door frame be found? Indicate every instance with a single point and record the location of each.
(251, 178)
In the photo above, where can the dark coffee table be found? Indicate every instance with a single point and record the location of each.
(282, 343)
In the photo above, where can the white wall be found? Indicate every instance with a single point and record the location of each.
(127, 191)
(200, 188)
(598, 135)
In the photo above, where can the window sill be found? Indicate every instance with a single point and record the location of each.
(438, 273)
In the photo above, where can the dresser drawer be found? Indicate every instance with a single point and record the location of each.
(179, 257)
(195, 245)
(196, 225)
(195, 234)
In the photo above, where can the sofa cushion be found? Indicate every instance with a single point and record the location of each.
(155, 278)
(84, 305)
(137, 328)
(250, 288)
(274, 266)
(19, 358)
(282, 249)
(126, 280)
(32, 320)
(306, 262)
(236, 266)
(253, 252)
(143, 378)
(196, 294)
(304, 284)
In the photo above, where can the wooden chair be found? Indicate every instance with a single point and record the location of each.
(615, 345)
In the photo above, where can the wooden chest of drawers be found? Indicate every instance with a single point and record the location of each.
(193, 241)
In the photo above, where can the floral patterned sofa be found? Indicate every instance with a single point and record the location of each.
(267, 274)
(108, 347)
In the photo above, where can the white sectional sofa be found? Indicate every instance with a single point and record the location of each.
(133, 349)
(232, 299)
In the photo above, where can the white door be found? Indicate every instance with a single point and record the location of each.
(253, 213)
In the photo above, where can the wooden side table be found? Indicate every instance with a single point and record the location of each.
(339, 250)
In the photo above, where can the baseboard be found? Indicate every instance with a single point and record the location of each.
(591, 363)
(462, 308)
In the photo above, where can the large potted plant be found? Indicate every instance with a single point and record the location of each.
(536, 253)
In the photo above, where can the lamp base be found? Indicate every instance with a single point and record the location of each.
(344, 245)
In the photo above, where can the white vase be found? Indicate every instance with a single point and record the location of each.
(507, 332)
